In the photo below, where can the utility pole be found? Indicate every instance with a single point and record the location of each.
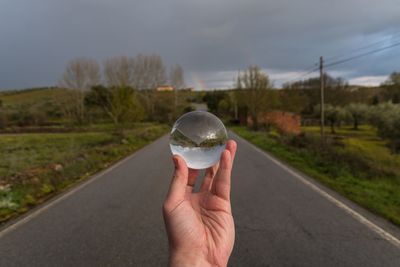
(321, 77)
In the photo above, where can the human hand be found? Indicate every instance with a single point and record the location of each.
(200, 225)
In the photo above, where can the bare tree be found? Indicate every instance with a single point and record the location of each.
(148, 71)
(148, 74)
(176, 77)
(177, 81)
(254, 84)
(79, 76)
(145, 72)
(118, 71)
(157, 71)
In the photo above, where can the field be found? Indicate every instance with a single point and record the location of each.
(363, 168)
(365, 142)
(33, 167)
(18, 98)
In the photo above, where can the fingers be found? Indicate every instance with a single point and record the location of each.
(208, 177)
(221, 185)
(232, 146)
(217, 178)
(177, 189)
(191, 180)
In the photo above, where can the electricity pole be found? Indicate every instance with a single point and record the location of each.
(321, 77)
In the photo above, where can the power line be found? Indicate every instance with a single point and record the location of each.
(361, 55)
(394, 37)
(306, 72)
(313, 69)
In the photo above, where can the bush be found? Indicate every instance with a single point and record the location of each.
(120, 103)
(333, 157)
(386, 118)
(39, 117)
(22, 117)
(188, 109)
(3, 120)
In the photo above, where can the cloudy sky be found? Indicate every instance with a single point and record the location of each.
(211, 39)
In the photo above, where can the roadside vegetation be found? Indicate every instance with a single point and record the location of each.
(360, 169)
(35, 166)
(51, 138)
(360, 154)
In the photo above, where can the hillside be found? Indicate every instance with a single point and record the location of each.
(30, 96)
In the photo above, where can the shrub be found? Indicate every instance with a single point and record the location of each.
(22, 117)
(386, 118)
(333, 157)
(3, 120)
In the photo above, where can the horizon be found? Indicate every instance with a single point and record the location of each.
(211, 44)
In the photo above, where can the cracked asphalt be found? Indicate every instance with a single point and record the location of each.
(116, 220)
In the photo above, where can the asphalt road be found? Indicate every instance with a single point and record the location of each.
(115, 220)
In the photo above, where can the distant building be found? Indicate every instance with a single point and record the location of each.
(165, 88)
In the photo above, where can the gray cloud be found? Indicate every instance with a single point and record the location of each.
(211, 39)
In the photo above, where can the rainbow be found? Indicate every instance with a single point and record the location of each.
(199, 84)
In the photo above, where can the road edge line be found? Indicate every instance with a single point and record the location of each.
(63, 195)
(357, 216)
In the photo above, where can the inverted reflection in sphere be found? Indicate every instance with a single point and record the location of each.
(199, 137)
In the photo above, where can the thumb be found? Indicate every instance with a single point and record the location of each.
(177, 189)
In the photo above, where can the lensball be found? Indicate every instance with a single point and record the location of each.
(199, 137)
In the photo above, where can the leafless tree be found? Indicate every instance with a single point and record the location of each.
(176, 77)
(148, 71)
(254, 84)
(79, 76)
(177, 81)
(118, 71)
(148, 74)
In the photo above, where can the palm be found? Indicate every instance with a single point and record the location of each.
(202, 222)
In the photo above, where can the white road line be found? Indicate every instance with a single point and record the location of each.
(385, 235)
(45, 207)
(372, 226)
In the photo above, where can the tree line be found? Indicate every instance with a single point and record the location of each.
(120, 90)
(254, 95)
(116, 90)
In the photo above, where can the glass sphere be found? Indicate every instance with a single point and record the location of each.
(199, 137)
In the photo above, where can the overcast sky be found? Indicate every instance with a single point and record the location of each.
(211, 39)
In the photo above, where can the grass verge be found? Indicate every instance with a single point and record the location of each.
(379, 193)
(34, 167)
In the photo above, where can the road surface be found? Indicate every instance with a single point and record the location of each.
(115, 220)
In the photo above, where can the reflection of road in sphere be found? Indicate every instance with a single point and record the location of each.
(199, 137)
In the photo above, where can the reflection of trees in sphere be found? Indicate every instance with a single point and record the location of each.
(199, 137)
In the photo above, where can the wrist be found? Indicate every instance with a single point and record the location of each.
(182, 259)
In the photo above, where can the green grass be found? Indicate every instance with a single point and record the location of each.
(365, 142)
(22, 97)
(33, 167)
(380, 194)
